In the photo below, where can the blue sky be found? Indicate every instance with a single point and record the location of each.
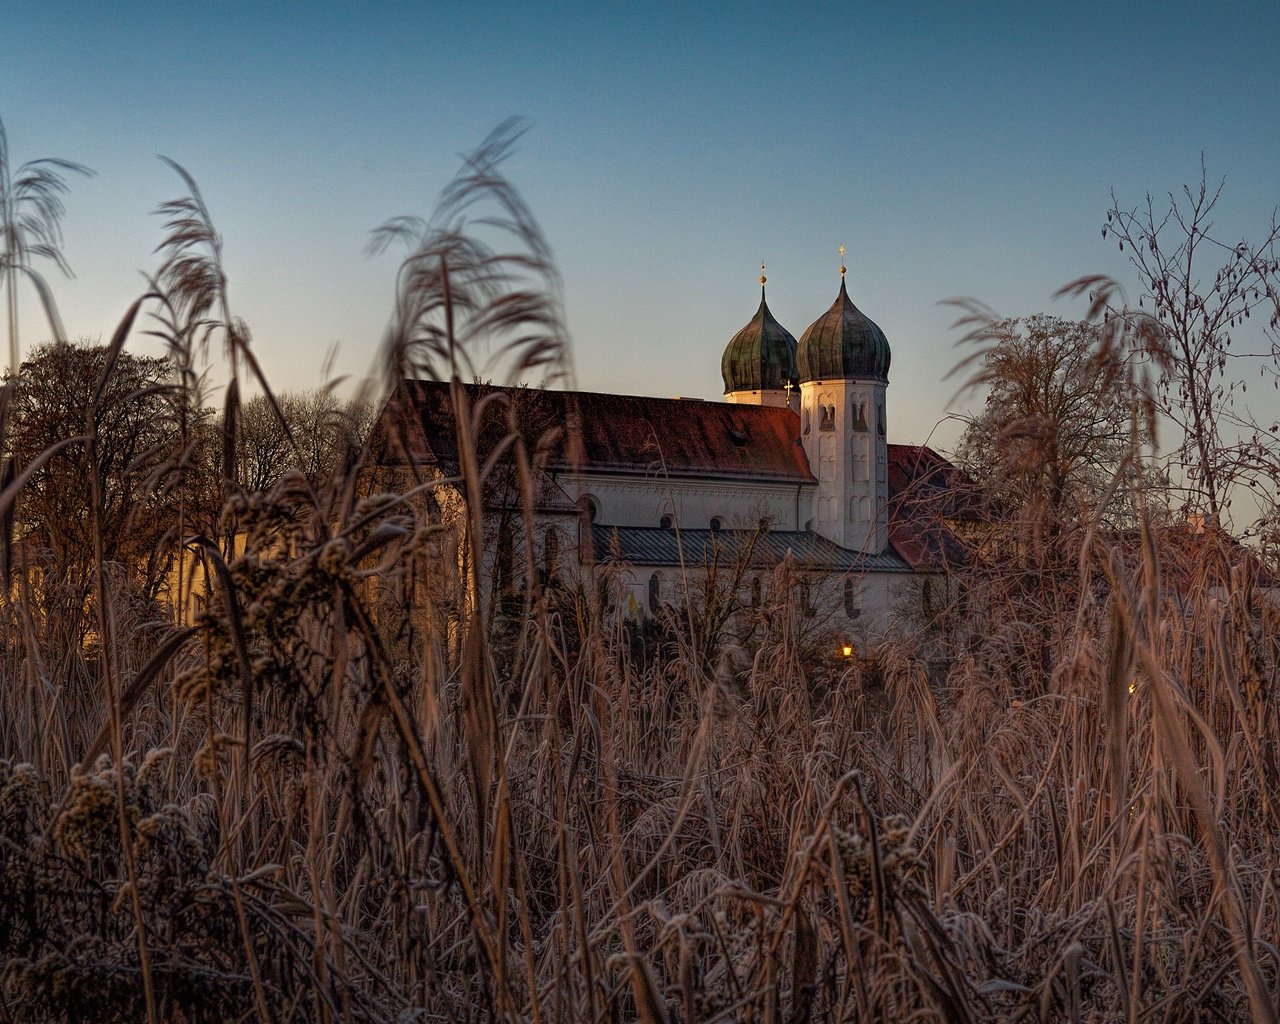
(957, 150)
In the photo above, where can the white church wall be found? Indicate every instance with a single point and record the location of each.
(858, 607)
(643, 501)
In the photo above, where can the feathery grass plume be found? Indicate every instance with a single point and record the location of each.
(31, 210)
(468, 306)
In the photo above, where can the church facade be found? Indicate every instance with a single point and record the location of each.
(794, 467)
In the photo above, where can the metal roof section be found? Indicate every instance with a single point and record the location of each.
(654, 546)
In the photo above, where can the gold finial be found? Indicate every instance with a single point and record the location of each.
(842, 250)
(762, 271)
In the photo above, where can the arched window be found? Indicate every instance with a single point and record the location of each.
(506, 561)
(851, 608)
(828, 418)
(667, 522)
(755, 592)
(588, 510)
(717, 524)
(805, 419)
(550, 553)
(655, 594)
(859, 416)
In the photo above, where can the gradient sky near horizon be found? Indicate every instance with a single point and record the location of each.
(956, 149)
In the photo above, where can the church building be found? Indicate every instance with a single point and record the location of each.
(794, 466)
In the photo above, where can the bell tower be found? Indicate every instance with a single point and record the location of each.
(843, 364)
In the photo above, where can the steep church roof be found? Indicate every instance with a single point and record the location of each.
(610, 433)
(761, 356)
(843, 343)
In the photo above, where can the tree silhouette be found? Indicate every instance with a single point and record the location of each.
(58, 515)
(325, 428)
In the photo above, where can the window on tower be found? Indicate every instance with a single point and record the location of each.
(859, 416)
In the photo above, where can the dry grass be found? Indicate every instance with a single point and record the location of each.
(314, 804)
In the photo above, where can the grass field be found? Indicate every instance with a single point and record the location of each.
(297, 800)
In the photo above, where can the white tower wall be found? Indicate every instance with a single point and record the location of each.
(843, 430)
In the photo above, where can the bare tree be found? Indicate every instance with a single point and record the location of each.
(1200, 290)
(137, 437)
(325, 428)
(1057, 422)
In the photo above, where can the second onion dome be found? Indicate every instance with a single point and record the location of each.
(761, 356)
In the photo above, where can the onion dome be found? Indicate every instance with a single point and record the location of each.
(843, 343)
(761, 356)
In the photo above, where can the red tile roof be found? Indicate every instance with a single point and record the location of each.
(925, 491)
(623, 433)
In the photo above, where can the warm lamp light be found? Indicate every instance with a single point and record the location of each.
(847, 650)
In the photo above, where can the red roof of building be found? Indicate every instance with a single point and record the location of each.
(1193, 555)
(925, 492)
(619, 433)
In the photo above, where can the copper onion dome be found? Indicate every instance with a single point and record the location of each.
(843, 343)
(761, 356)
